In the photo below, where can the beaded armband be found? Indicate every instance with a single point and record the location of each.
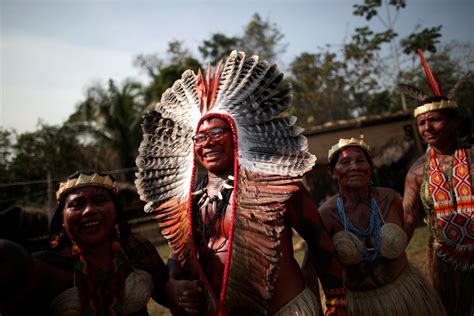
(335, 301)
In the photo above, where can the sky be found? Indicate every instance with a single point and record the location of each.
(52, 51)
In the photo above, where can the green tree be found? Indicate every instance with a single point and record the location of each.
(263, 38)
(50, 149)
(320, 88)
(163, 72)
(367, 58)
(6, 141)
(260, 37)
(7, 138)
(218, 47)
(110, 118)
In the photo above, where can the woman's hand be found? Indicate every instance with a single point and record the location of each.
(187, 297)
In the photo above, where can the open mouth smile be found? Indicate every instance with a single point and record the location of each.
(212, 155)
(90, 225)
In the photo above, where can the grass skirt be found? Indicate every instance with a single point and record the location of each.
(409, 294)
(455, 287)
(304, 304)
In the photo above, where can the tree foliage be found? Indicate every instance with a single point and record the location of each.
(260, 37)
(263, 38)
(367, 68)
(51, 149)
(320, 88)
(164, 71)
(367, 52)
(111, 116)
(218, 47)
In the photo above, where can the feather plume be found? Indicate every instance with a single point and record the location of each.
(272, 157)
(413, 92)
(452, 92)
(431, 79)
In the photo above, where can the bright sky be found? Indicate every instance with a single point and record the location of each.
(52, 50)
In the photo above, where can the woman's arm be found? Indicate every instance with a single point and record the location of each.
(412, 207)
(321, 254)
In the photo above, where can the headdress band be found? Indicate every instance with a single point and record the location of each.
(434, 106)
(83, 180)
(345, 142)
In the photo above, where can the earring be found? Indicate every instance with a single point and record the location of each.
(117, 232)
(56, 239)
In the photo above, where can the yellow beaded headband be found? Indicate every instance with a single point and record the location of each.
(83, 180)
(345, 142)
(434, 106)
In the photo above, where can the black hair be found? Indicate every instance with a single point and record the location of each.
(57, 220)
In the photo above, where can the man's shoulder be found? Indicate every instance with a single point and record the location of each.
(328, 206)
(418, 167)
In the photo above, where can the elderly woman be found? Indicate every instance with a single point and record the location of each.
(365, 224)
(441, 183)
(95, 265)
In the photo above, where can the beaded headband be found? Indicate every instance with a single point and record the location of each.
(346, 142)
(83, 180)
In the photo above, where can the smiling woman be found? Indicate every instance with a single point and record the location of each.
(366, 227)
(95, 265)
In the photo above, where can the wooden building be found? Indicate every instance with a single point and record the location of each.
(392, 137)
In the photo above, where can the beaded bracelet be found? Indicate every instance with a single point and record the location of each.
(335, 300)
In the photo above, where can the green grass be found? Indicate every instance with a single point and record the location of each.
(416, 252)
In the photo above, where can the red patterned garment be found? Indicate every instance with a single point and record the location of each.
(450, 203)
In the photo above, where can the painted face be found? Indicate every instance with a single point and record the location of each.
(89, 215)
(214, 147)
(352, 169)
(436, 128)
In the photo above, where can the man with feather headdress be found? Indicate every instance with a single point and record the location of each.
(441, 183)
(231, 230)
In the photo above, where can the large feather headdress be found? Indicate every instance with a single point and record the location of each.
(428, 104)
(271, 156)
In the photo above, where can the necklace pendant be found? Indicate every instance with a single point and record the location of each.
(206, 201)
(227, 186)
(198, 192)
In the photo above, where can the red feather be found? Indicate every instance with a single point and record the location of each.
(431, 79)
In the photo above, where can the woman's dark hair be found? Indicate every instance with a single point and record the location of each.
(57, 220)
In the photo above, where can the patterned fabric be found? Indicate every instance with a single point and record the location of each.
(100, 295)
(336, 300)
(448, 202)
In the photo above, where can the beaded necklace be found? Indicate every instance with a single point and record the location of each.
(104, 296)
(215, 205)
(370, 254)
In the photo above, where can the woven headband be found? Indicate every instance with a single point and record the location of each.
(83, 180)
(348, 142)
